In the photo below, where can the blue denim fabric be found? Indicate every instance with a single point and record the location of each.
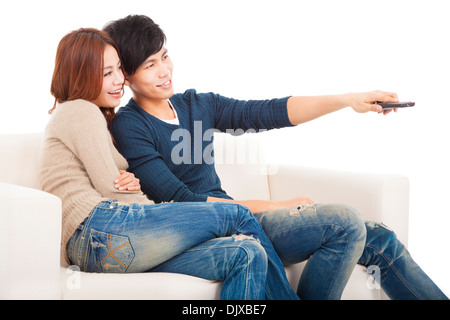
(334, 237)
(217, 241)
(398, 274)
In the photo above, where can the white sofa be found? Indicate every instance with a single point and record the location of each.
(30, 223)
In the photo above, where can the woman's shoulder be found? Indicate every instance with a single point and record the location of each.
(76, 116)
(75, 107)
(78, 112)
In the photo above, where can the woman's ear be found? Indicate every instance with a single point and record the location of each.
(128, 80)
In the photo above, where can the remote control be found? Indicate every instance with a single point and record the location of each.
(392, 105)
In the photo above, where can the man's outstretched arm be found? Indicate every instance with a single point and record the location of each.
(304, 109)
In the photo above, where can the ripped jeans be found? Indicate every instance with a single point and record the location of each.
(215, 241)
(311, 232)
(331, 237)
(399, 275)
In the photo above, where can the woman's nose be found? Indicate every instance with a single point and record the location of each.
(119, 79)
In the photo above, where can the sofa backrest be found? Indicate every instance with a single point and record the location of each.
(238, 160)
(240, 164)
(19, 159)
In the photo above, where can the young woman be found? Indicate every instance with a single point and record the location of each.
(144, 130)
(109, 225)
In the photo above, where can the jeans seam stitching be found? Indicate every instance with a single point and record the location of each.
(317, 225)
(248, 266)
(391, 266)
(111, 251)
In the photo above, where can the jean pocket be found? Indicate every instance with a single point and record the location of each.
(112, 253)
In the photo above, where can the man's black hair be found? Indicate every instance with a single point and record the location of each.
(137, 37)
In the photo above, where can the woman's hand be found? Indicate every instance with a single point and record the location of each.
(364, 102)
(127, 181)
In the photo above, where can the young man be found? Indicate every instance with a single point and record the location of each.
(148, 130)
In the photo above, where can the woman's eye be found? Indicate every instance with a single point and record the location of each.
(108, 73)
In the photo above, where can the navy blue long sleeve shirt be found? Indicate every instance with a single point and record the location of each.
(170, 159)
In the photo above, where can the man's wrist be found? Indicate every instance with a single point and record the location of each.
(345, 100)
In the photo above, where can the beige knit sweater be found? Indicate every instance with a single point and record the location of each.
(79, 164)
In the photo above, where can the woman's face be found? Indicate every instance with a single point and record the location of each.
(113, 80)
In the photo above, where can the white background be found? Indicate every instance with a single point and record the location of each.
(266, 49)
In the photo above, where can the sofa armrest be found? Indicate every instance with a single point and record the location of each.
(30, 239)
(381, 198)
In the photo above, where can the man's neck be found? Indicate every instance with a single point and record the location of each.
(160, 109)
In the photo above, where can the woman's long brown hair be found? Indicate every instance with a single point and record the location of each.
(78, 70)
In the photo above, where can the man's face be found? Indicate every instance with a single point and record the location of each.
(153, 79)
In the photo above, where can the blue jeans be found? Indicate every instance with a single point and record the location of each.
(398, 274)
(312, 232)
(217, 241)
(331, 237)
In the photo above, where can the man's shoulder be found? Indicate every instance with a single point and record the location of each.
(129, 113)
(128, 109)
(191, 96)
(195, 104)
